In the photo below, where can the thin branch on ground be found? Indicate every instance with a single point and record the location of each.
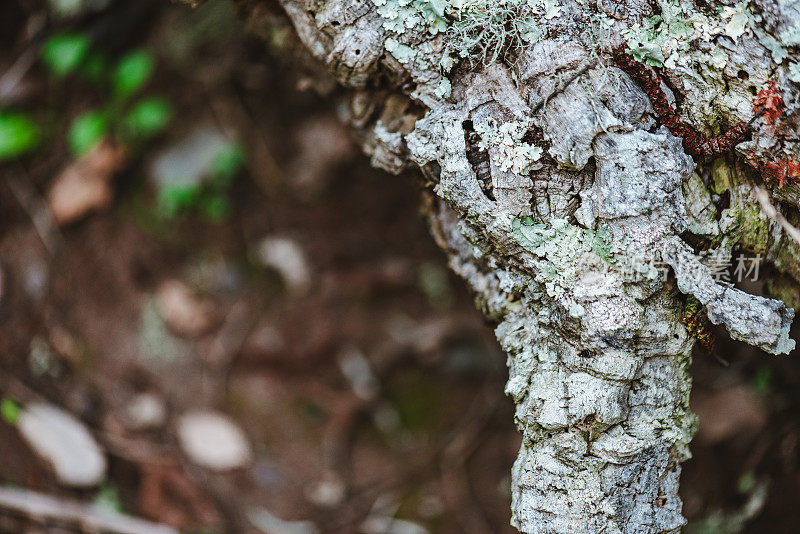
(36, 208)
(44, 508)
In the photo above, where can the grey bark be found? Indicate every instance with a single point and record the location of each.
(546, 229)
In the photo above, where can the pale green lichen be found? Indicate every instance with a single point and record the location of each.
(776, 48)
(794, 72)
(510, 153)
(552, 8)
(738, 16)
(659, 39)
(565, 252)
(484, 29)
(488, 29)
(791, 36)
(402, 53)
(696, 46)
(402, 15)
(664, 39)
(444, 88)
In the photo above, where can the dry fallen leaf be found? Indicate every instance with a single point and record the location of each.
(65, 442)
(83, 186)
(212, 440)
(185, 314)
(167, 495)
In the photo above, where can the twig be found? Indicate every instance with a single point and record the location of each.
(229, 104)
(11, 78)
(37, 210)
(137, 451)
(770, 211)
(43, 507)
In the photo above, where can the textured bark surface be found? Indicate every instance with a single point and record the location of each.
(547, 175)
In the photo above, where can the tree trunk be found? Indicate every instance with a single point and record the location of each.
(558, 188)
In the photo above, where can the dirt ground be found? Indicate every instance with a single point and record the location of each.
(318, 316)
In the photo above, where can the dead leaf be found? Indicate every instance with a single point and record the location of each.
(169, 496)
(83, 186)
(214, 441)
(185, 314)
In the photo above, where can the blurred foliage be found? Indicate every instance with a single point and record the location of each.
(227, 164)
(63, 53)
(762, 382)
(124, 113)
(18, 135)
(147, 118)
(87, 130)
(132, 73)
(178, 198)
(108, 499)
(10, 410)
(207, 197)
(130, 123)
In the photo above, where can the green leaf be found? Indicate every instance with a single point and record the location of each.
(228, 162)
(132, 72)
(148, 117)
(215, 207)
(174, 199)
(63, 53)
(9, 410)
(18, 135)
(86, 131)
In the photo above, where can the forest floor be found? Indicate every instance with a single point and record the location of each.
(302, 301)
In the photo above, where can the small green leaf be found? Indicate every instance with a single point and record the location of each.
(174, 199)
(63, 53)
(216, 208)
(86, 131)
(148, 117)
(18, 135)
(227, 163)
(132, 72)
(9, 410)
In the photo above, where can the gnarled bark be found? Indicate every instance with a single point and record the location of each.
(548, 176)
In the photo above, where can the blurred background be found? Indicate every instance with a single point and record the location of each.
(214, 315)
